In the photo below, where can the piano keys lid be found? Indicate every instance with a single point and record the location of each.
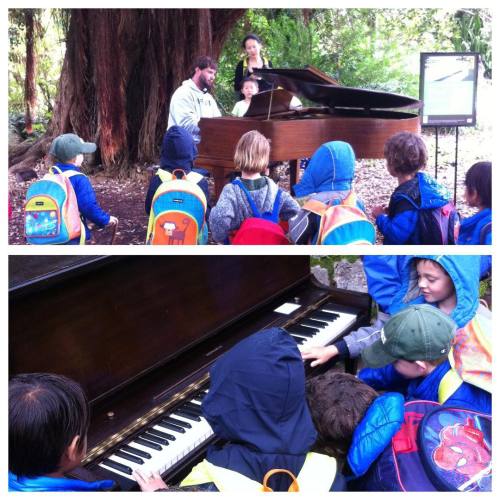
(317, 87)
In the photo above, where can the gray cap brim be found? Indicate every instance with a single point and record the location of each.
(375, 356)
(88, 147)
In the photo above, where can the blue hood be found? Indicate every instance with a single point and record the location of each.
(257, 402)
(44, 483)
(432, 194)
(331, 169)
(464, 272)
(178, 150)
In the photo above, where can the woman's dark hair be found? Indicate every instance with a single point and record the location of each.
(478, 178)
(338, 402)
(405, 153)
(251, 36)
(46, 412)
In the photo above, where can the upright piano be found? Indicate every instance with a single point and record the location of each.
(140, 333)
(363, 118)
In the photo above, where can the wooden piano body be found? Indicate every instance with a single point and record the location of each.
(140, 333)
(351, 115)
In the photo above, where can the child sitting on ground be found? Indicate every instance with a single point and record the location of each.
(327, 179)
(48, 422)
(68, 151)
(476, 230)
(249, 87)
(417, 195)
(251, 158)
(411, 357)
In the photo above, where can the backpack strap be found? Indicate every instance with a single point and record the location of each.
(315, 206)
(448, 385)
(318, 473)
(294, 487)
(484, 232)
(253, 206)
(276, 207)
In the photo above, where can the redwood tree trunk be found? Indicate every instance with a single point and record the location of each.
(30, 76)
(120, 70)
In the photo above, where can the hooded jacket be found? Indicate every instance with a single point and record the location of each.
(188, 105)
(232, 207)
(471, 229)
(257, 404)
(178, 151)
(328, 177)
(44, 483)
(464, 273)
(401, 225)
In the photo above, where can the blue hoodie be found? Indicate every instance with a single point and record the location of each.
(87, 202)
(420, 193)
(44, 483)
(178, 151)
(257, 403)
(472, 227)
(331, 169)
(463, 271)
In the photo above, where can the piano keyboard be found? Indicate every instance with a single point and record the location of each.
(160, 446)
(164, 443)
(321, 326)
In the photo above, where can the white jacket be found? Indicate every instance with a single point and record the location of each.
(188, 105)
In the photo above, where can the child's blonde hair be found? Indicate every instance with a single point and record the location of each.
(252, 153)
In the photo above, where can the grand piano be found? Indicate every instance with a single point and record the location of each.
(141, 332)
(363, 118)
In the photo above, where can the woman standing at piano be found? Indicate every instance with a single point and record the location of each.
(252, 44)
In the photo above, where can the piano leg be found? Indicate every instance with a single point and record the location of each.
(293, 173)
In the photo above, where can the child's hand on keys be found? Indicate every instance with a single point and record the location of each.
(151, 481)
(319, 354)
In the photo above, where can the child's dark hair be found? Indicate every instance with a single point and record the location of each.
(478, 178)
(46, 412)
(338, 402)
(248, 79)
(405, 153)
(251, 36)
(204, 62)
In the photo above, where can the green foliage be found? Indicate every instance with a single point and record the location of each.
(50, 50)
(473, 34)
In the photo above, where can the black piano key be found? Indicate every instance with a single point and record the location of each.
(161, 434)
(299, 340)
(176, 421)
(115, 465)
(135, 451)
(155, 439)
(148, 444)
(313, 322)
(187, 414)
(192, 407)
(128, 456)
(199, 397)
(324, 315)
(302, 330)
(172, 427)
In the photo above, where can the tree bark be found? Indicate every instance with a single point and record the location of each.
(121, 68)
(30, 76)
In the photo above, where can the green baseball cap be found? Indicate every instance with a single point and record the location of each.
(68, 146)
(420, 332)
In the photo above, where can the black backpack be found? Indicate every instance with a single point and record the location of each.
(439, 226)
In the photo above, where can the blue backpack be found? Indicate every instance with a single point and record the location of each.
(436, 449)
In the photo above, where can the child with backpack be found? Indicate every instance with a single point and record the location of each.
(476, 230)
(48, 421)
(332, 215)
(420, 211)
(177, 197)
(55, 206)
(249, 209)
(386, 444)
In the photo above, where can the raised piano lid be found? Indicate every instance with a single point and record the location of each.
(309, 83)
(107, 321)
